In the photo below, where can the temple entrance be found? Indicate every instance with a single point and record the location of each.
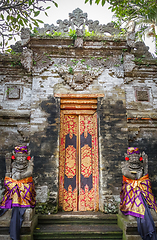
(79, 174)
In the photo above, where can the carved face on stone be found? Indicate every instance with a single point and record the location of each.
(21, 158)
(134, 165)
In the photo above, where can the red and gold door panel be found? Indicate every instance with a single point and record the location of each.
(78, 170)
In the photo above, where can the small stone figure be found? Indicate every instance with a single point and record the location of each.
(19, 188)
(136, 193)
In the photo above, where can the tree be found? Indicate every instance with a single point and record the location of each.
(143, 12)
(16, 14)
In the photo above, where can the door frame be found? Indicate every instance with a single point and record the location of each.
(79, 104)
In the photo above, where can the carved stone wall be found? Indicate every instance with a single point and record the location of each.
(30, 110)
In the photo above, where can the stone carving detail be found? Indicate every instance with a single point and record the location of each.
(13, 92)
(102, 28)
(17, 47)
(134, 168)
(27, 59)
(25, 36)
(78, 77)
(142, 50)
(78, 19)
(24, 131)
(129, 63)
(79, 40)
(142, 95)
(116, 72)
(40, 62)
(131, 34)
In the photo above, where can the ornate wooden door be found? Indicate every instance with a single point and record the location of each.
(78, 170)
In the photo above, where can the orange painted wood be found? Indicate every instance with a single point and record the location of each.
(78, 106)
(79, 95)
(79, 112)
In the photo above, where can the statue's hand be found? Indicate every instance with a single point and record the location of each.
(16, 176)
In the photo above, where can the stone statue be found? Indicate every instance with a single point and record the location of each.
(20, 165)
(19, 195)
(136, 193)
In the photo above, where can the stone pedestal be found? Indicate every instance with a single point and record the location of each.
(129, 225)
(29, 223)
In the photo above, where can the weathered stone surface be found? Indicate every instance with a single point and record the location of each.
(27, 59)
(42, 194)
(129, 64)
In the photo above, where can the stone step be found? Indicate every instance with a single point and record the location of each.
(78, 225)
(85, 231)
(4, 234)
(76, 218)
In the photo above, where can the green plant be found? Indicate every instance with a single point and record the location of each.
(124, 49)
(34, 62)
(88, 34)
(92, 58)
(83, 60)
(122, 60)
(74, 61)
(71, 70)
(99, 58)
(49, 35)
(138, 60)
(87, 67)
(57, 34)
(71, 45)
(117, 65)
(16, 63)
(72, 34)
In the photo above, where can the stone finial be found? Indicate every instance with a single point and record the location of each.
(25, 36)
(131, 34)
(27, 59)
(17, 47)
(77, 18)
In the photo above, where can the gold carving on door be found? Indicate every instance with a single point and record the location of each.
(78, 170)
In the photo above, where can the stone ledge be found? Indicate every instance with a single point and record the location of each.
(16, 113)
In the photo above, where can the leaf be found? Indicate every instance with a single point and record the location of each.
(103, 2)
(29, 2)
(48, 8)
(40, 21)
(55, 4)
(21, 22)
(97, 2)
(36, 13)
(91, 2)
(2, 16)
(8, 18)
(86, 1)
(46, 14)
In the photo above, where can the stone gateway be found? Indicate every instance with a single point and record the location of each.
(78, 94)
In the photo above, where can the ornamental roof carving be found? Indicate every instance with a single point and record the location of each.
(78, 19)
